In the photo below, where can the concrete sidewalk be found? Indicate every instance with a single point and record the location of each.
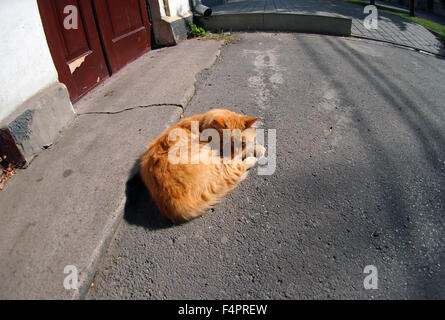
(391, 28)
(65, 207)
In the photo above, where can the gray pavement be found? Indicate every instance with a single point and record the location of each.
(390, 27)
(359, 181)
(65, 207)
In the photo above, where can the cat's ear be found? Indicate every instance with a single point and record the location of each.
(218, 123)
(248, 122)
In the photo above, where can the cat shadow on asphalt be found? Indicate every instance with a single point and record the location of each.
(139, 208)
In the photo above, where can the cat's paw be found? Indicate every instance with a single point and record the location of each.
(259, 151)
(250, 162)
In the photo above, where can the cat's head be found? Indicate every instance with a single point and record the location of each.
(220, 119)
(241, 127)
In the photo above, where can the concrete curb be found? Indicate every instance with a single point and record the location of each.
(292, 22)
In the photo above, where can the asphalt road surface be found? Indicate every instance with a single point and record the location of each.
(359, 180)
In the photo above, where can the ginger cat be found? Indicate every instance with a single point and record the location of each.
(185, 187)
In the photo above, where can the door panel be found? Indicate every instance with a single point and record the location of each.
(124, 28)
(125, 17)
(77, 53)
(75, 41)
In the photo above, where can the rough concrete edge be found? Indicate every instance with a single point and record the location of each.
(112, 227)
(178, 25)
(191, 90)
(48, 104)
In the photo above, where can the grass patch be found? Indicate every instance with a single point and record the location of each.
(201, 34)
(227, 38)
(438, 29)
(195, 31)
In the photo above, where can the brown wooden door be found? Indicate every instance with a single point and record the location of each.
(77, 53)
(124, 28)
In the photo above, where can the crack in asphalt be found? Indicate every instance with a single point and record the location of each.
(133, 108)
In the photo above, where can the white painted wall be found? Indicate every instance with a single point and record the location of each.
(177, 7)
(26, 65)
(161, 7)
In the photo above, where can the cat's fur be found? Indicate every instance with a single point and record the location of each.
(185, 191)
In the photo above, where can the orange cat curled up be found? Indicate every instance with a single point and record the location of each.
(199, 177)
